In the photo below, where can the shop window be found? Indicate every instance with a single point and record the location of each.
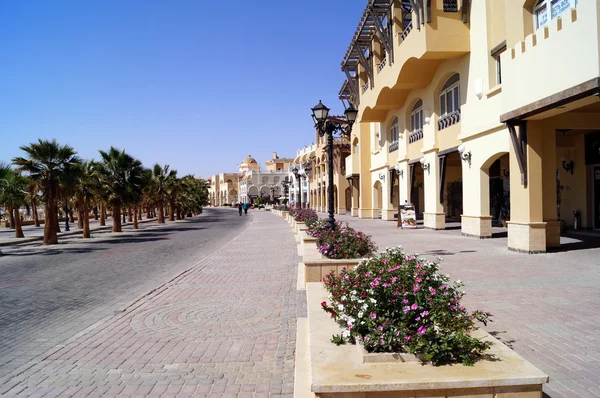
(545, 10)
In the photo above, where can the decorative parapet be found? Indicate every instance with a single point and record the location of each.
(393, 146)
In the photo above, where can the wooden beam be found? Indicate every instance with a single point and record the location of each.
(517, 147)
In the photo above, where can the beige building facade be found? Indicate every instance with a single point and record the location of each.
(480, 112)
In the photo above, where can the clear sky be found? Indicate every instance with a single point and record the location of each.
(195, 84)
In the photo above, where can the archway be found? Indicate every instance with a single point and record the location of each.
(348, 200)
(497, 204)
(453, 189)
(377, 199)
(417, 196)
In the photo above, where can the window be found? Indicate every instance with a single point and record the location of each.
(496, 52)
(394, 136)
(450, 96)
(540, 12)
(416, 116)
(450, 5)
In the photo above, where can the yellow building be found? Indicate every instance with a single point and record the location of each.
(479, 112)
(223, 189)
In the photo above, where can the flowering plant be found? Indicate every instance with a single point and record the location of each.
(401, 303)
(342, 242)
(304, 215)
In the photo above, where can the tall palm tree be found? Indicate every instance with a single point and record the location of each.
(121, 177)
(48, 163)
(85, 194)
(13, 190)
(162, 178)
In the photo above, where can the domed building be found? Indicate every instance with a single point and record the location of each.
(248, 164)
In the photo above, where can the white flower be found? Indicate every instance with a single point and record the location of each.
(360, 314)
(346, 334)
(459, 281)
(343, 298)
(373, 300)
(364, 307)
(353, 292)
(340, 307)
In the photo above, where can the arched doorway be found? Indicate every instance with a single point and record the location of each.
(348, 200)
(377, 199)
(497, 169)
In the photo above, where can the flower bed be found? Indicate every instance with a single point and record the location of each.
(342, 242)
(304, 215)
(401, 303)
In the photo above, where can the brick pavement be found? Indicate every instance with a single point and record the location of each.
(224, 328)
(545, 306)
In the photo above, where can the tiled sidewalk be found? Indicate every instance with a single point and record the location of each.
(545, 306)
(225, 328)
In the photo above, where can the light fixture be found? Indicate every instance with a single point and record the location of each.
(568, 166)
(320, 112)
(382, 176)
(479, 88)
(466, 156)
(425, 164)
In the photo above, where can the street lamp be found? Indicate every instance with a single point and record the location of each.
(285, 184)
(329, 127)
(298, 180)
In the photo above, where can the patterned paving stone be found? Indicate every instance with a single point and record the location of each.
(224, 328)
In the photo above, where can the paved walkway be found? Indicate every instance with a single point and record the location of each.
(224, 328)
(545, 306)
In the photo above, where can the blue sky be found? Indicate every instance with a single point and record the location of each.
(192, 83)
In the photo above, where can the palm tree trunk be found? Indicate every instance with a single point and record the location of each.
(18, 229)
(102, 214)
(116, 211)
(135, 217)
(96, 213)
(86, 220)
(148, 214)
(129, 215)
(11, 217)
(51, 221)
(140, 212)
(161, 213)
(171, 211)
(80, 216)
(36, 219)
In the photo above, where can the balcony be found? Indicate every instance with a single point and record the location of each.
(560, 56)
(393, 146)
(449, 119)
(352, 166)
(419, 48)
(415, 136)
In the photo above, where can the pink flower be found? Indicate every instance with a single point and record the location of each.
(432, 291)
(442, 287)
(373, 316)
(418, 318)
(416, 288)
(406, 309)
(414, 306)
(404, 301)
(379, 327)
(422, 330)
(418, 280)
(394, 279)
(407, 338)
(324, 303)
(424, 313)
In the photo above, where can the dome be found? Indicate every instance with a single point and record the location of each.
(249, 160)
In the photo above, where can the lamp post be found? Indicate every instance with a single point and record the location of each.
(329, 127)
(298, 178)
(306, 175)
(285, 185)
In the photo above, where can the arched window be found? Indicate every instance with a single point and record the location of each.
(416, 116)
(394, 136)
(450, 96)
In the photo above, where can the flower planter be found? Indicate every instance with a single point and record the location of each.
(340, 371)
(387, 357)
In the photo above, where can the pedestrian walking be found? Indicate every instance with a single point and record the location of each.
(246, 206)
(240, 208)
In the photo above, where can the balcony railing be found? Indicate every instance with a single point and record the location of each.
(449, 119)
(406, 31)
(415, 135)
(393, 146)
(365, 87)
(381, 65)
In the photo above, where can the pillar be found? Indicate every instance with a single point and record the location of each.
(365, 209)
(355, 195)
(433, 216)
(387, 211)
(526, 228)
(549, 188)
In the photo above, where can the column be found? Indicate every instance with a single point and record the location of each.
(387, 211)
(549, 188)
(433, 216)
(526, 228)
(355, 195)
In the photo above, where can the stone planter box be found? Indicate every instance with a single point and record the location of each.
(386, 357)
(340, 371)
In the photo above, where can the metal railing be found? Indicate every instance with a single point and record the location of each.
(449, 119)
(406, 31)
(381, 65)
(415, 135)
(393, 146)
(365, 87)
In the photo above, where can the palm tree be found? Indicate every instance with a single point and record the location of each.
(32, 197)
(162, 178)
(121, 177)
(84, 195)
(48, 163)
(13, 190)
